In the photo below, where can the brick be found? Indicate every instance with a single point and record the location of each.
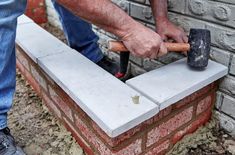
(204, 104)
(219, 100)
(163, 113)
(22, 59)
(78, 138)
(20, 67)
(36, 10)
(228, 106)
(38, 76)
(35, 3)
(222, 14)
(201, 120)
(90, 136)
(169, 126)
(51, 104)
(136, 70)
(232, 67)
(151, 64)
(35, 85)
(133, 148)
(60, 103)
(220, 56)
(228, 85)
(159, 148)
(134, 131)
(193, 96)
(227, 123)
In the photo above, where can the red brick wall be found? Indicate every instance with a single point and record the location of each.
(154, 136)
(36, 10)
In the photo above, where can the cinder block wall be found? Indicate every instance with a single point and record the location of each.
(215, 15)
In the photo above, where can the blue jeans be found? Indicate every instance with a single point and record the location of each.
(9, 11)
(79, 34)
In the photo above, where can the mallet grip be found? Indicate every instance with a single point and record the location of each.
(117, 46)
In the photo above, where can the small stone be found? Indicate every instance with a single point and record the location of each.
(136, 99)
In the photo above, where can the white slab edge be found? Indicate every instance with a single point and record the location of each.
(171, 83)
(23, 19)
(37, 42)
(107, 100)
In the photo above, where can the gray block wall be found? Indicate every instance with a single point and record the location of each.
(216, 15)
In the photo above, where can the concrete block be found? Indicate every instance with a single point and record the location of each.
(170, 57)
(123, 4)
(232, 67)
(186, 22)
(223, 14)
(136, 60)
(177, 6)
(150, 64)
(220, 56)
(171, 83)
(228, 85)
(137, 70)
(141, 12)
(107, 100)
(219, 100)
(222, 37)
(228, 106)
(227, 123)
(226, 1)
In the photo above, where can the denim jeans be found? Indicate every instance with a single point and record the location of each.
(9, 11)
(79, 34)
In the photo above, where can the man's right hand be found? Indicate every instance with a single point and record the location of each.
(143, 42)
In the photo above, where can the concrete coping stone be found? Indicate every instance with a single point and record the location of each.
(175, 81)
(107, 100)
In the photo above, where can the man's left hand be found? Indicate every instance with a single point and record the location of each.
(169, 31)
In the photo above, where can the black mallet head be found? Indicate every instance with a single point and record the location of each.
(200, 42)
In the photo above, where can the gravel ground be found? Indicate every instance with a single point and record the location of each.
(38, 132)
(35, 129)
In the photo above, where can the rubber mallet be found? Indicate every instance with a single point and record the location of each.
(198, 48)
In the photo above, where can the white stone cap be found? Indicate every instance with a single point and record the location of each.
(171, 83)
(107, 100)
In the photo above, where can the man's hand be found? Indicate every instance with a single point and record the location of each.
(168, 31)
(143, 42)
(139, 40)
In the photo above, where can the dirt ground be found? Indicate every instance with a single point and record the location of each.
(35, 129)
(38, 132)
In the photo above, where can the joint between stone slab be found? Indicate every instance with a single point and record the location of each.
(41, 57)
(230, 62)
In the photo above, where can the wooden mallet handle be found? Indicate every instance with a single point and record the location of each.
(117, 46)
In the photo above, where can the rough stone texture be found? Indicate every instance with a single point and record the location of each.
(228, 85)
(227, 123)
(232, 69)
(217, 16)
(228, 105)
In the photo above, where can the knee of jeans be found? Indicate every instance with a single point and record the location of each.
(19, 7)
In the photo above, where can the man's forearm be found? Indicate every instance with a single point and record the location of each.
(159, 9)
(102, 13)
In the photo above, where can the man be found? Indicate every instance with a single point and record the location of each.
(140, 41)
(80, 36)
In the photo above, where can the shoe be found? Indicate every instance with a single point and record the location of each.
(108, 65)
(7, 144)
